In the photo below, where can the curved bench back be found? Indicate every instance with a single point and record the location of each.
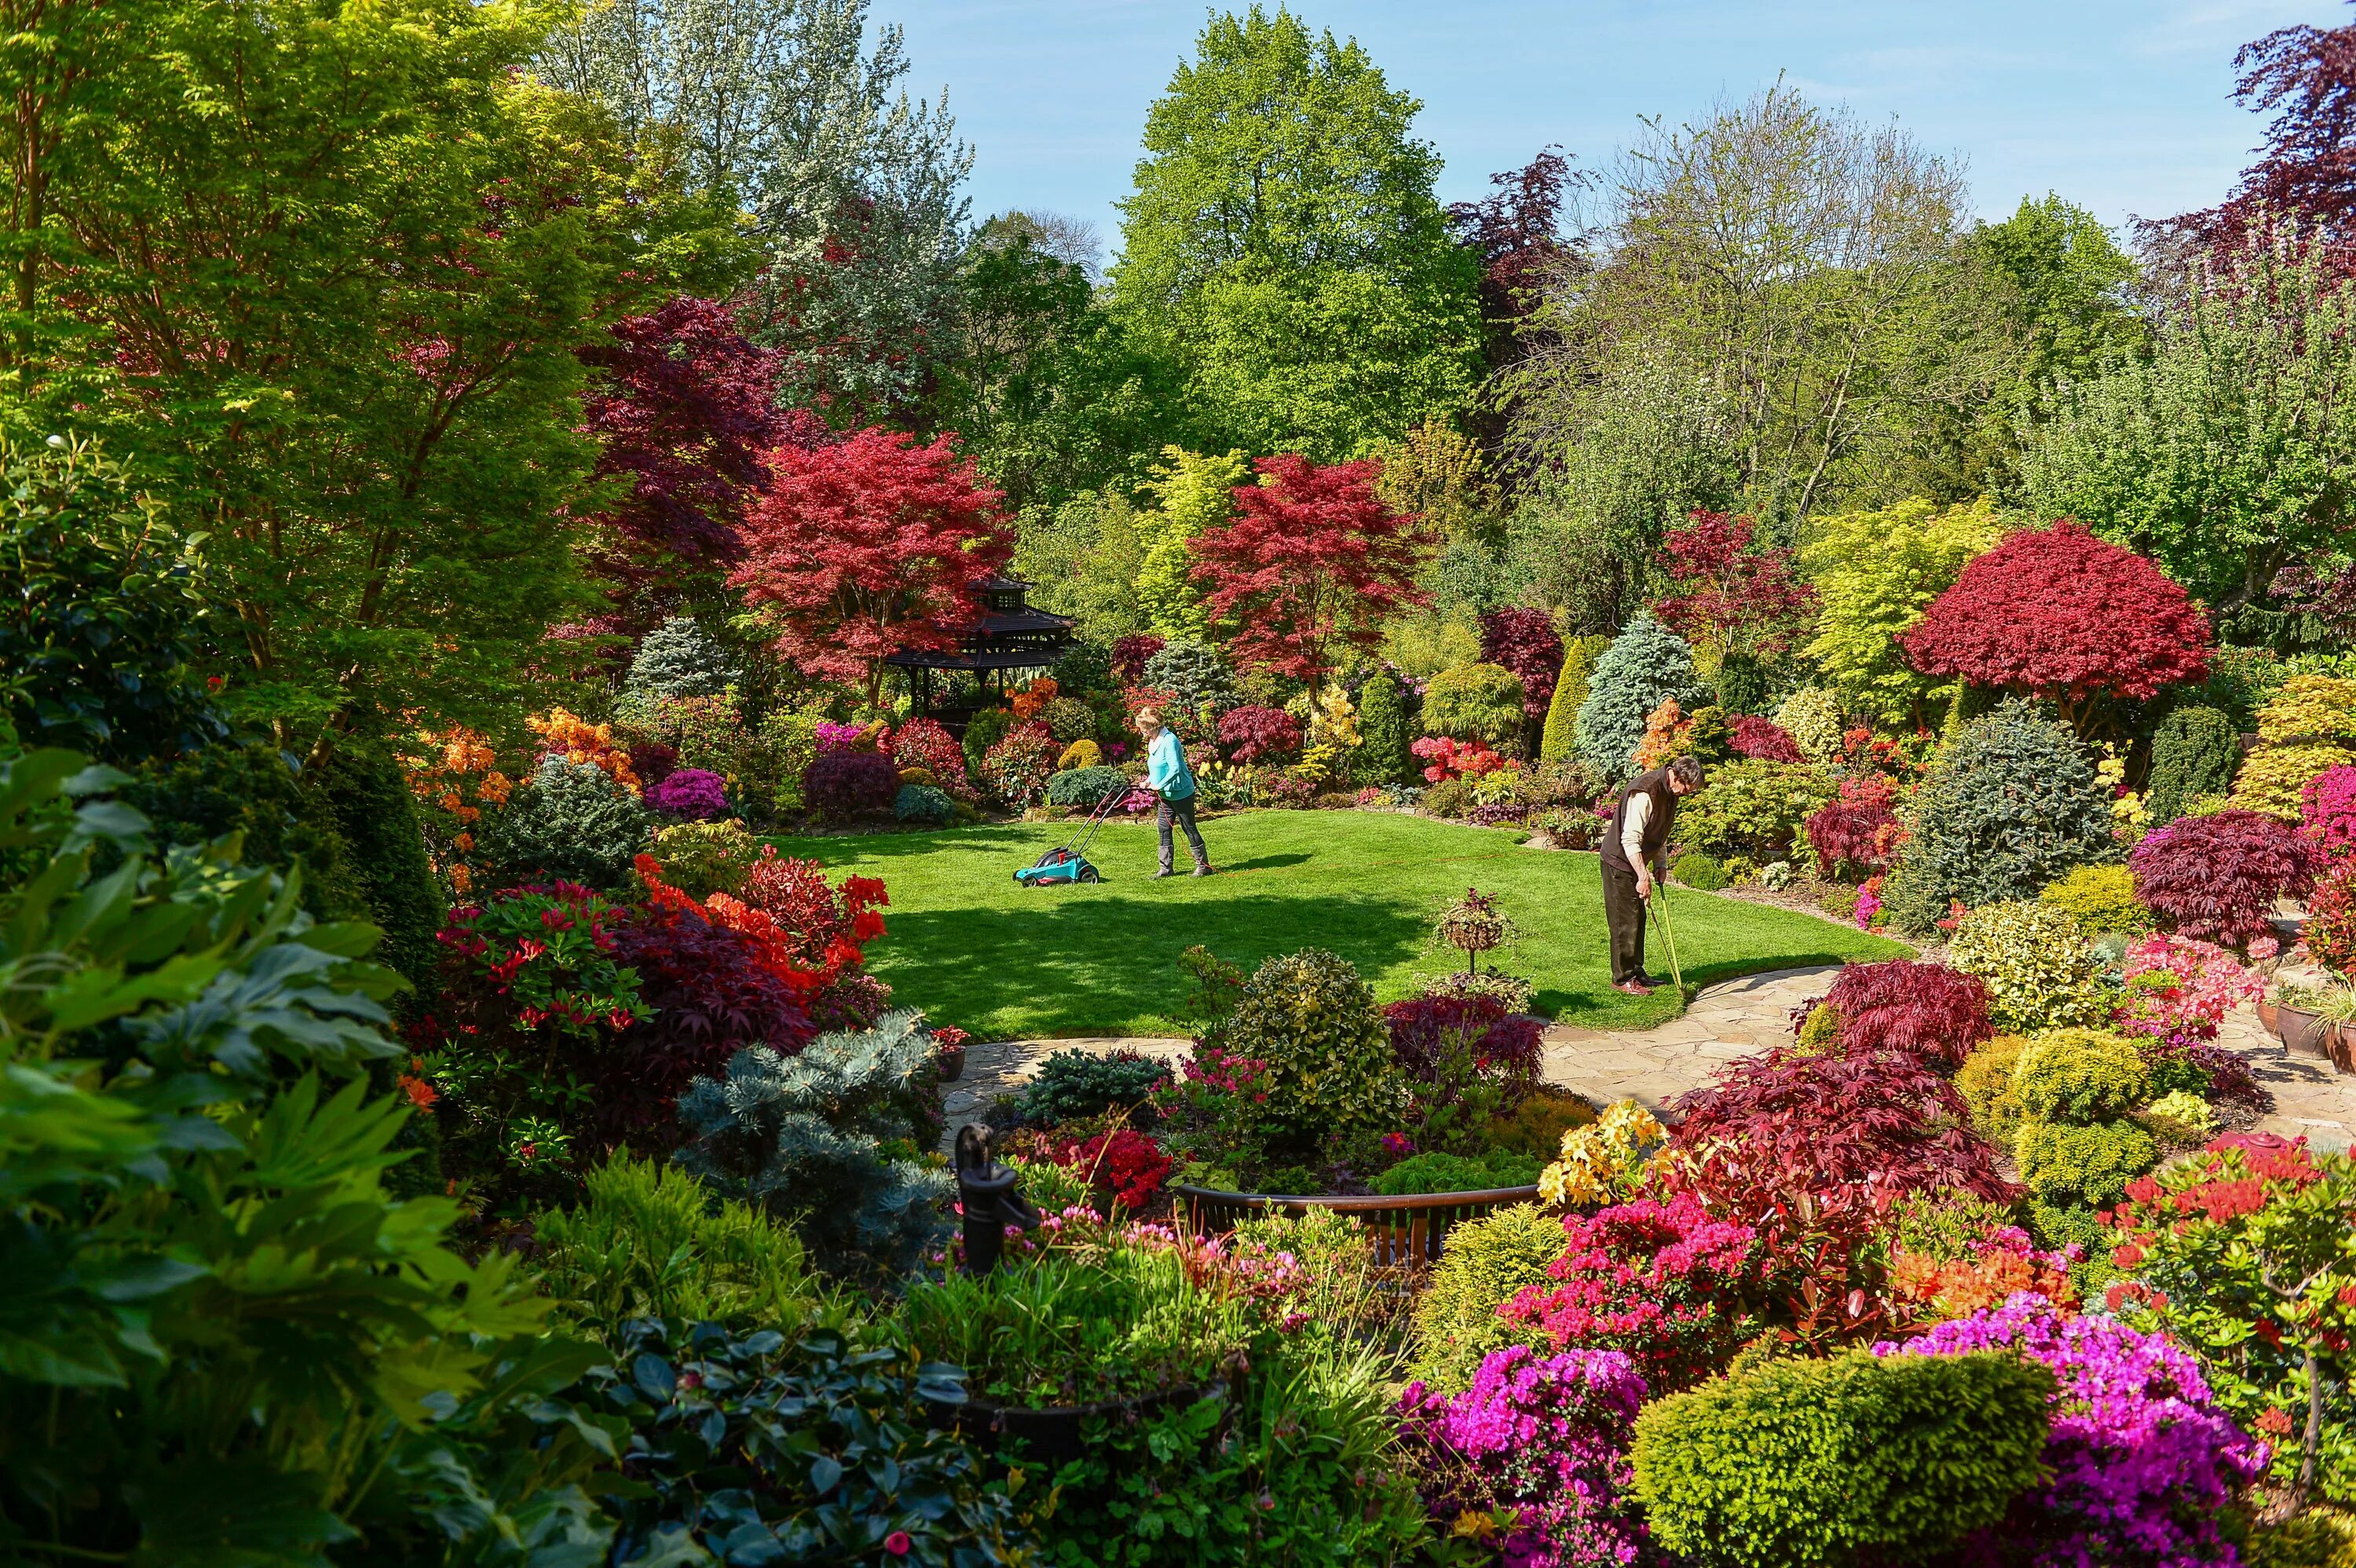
(1403, 1230)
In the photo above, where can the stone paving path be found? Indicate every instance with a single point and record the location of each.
(1731, 1018)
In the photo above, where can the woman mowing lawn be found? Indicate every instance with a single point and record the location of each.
(1167, 774)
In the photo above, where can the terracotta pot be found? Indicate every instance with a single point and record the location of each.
(2340, 1041)
(2266, 1018)
(2302, 1033)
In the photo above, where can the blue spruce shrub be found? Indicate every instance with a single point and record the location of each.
(825, 1140)
(677, 658)
(1645, 666)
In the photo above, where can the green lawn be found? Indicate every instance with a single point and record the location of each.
(973, 948)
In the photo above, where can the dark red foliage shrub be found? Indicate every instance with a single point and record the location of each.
(850, 1003)
(653, 761)
(1258, 734)
(924, 744)
(1859, 831)
(1771, 1127)
(2217, 878)
(1423, 1028)
(1762, 740)
(1929, 1009)
(1665, 1282)
(1524, 642)
(822, 926)
(2060, 614)
(1129, 654)
(841, 786)
(1723, 591)
(712, 997)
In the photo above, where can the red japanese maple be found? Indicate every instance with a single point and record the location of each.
(1311, 563)
(2059, 613)
(867, 546)
(1725, 593)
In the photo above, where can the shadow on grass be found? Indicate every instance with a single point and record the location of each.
(1105, 961)
(1265, 862)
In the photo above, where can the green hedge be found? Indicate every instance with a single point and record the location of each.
(1854, 1459)
(1085, 786)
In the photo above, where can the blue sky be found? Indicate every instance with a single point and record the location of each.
(2120, 106)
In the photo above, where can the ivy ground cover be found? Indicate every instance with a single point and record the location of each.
(1005, 960)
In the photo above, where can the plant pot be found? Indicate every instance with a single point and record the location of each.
(2266, 1018)
(1054, 1432)
(2340, 1041)
(952, 1063)
(2302, 1033)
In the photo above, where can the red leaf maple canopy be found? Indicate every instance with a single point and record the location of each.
(868, 545)
(1311, 562)
(2058, 613)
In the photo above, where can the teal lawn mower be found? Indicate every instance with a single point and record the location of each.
(1068, 862)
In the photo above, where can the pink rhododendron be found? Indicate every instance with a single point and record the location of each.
(2327, 809)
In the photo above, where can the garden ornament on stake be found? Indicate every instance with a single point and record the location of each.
(989, 1199)
(1660, 903)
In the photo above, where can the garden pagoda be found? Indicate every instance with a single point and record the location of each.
(1010, 636)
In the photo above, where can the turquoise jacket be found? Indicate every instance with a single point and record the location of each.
(1165, 767)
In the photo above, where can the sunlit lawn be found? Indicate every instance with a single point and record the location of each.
(974, 948)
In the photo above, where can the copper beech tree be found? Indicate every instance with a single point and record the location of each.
(868, 545)
(2058, 613)
(1311, 564)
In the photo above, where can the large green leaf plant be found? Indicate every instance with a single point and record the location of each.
(222, 1340)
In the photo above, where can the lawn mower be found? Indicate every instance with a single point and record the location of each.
(1067, 861)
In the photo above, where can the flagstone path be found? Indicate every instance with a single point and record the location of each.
(1732, 1019)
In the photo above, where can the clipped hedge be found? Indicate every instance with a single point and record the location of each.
(2194, 753)
(1858, 1457)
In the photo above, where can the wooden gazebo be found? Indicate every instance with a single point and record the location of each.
(1010, 637)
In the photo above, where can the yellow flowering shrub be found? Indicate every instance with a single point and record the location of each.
(1607, 1160)
(1079, 755)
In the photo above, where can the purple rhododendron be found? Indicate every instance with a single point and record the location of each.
(1547, 1438)
(2142, 1461)
(691, 791)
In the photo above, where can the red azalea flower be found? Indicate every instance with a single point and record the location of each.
(897, 1543)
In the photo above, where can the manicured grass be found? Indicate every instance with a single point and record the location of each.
(973, 948)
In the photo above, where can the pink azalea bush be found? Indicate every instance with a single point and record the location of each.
(696, 794)
(1544, 1438)
(2143, 1463)
(2327, 809)
(2178, 990)
(1661, 1281)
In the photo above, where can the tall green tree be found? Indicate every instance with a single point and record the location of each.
(1283, 248)
(328, 269)
(2231, 452)
(1038, 379)
(789, 111)
(1807, 267)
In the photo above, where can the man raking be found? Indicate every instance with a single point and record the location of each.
(1167, 776)
(1633, 853)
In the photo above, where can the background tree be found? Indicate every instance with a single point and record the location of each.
(867, 546)
(1647, 445)
(341, 306)
(784, 108)
(2231, 454)
(1282, 247)
(1038, 381)
(1804, 266)
(2060, 614)
(2305, 77)
(1312, 564)
(1517, 234)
